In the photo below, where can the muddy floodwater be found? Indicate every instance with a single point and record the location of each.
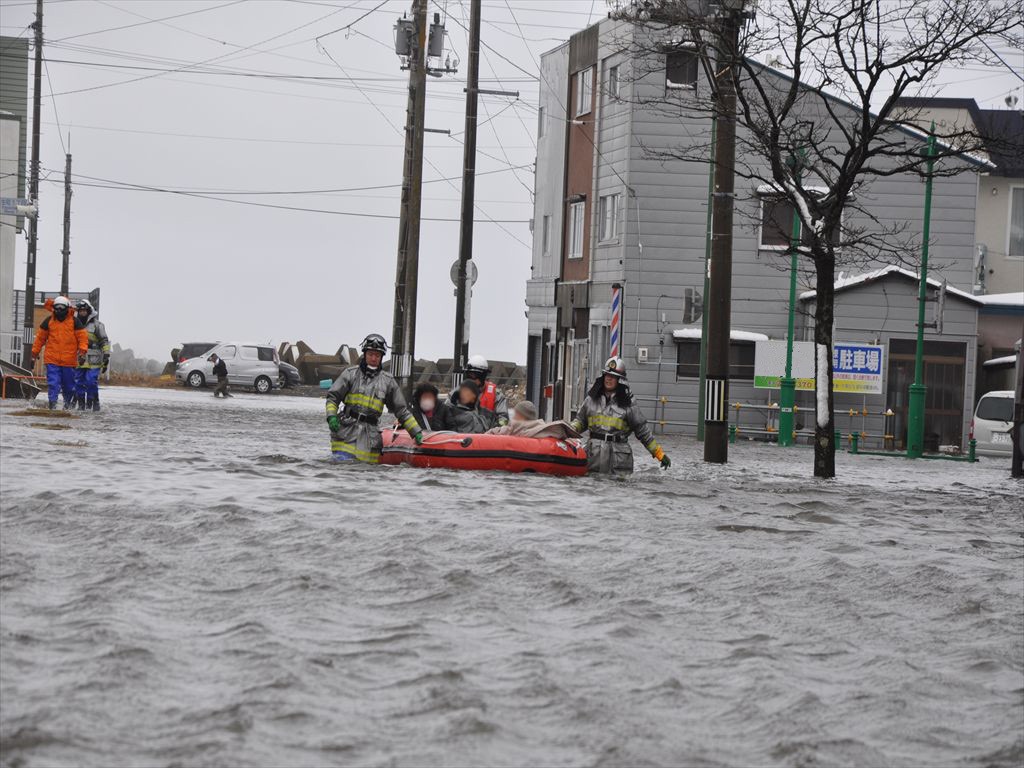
(192, 582)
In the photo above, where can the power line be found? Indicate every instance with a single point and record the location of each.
(1015, 72)
(276, 206)
(143, 23)
(53, 103)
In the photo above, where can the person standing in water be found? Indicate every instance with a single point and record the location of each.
(356, 401)
(220, 370)
(610, 415)
(63, 336)
(97, 357)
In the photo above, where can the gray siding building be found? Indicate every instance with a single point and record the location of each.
(615, 211)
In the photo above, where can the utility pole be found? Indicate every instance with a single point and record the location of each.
(28, 320)
(461, 352)
(915, 411)
(787, 386)
(66, 251)
(1017, 434)
(716, 397)
(703, 367)
(407, 268)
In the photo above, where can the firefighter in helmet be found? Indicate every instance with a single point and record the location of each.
(610, 415)
(356, 401)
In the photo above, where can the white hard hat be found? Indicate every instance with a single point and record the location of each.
(478, 363)
(61, 301)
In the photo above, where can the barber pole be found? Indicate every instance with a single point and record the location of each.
(616, 329)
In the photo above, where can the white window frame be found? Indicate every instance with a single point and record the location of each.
(584, 91)
(613, 82)
(545, 234)
(541, 117)
(1019, 189)
(691, 294)
(608, 225)
(577, 222)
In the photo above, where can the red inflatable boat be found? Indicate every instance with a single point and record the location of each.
(451, 450)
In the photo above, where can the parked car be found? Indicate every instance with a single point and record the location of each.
(289, 375)
(993, 419)
(249, 365)
(191, 349)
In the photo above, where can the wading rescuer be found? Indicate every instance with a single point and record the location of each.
(66, 342)
(491, 398)
(97, 357)
(356, 401)
(610, 415)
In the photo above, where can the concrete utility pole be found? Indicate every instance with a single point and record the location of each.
(915, 409)
(66, 251)
(407, 268)
(28, 319)
(719, 305)
(702, 374)
(461, 352)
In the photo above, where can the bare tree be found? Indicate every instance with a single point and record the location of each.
(837, 108)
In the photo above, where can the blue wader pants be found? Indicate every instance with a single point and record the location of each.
(87, 383)
(60, 378)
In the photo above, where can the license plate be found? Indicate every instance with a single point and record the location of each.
(1001, 437)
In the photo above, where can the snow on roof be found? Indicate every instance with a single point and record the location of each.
(1008, 360)
(775, 189)
(734, 335)
(1002, 299)
(892, 269)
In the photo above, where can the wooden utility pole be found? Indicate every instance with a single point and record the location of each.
(28, 319)
(66, 251)
(407, 268)
(461, 352)
(719, 305)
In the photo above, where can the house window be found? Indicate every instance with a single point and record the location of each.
(613, 82)
(584, 89)
(681, 69)
(540, 123)
(777, 225)
(1015, 247)
(741, 360)
(693, 305)
(609, 217)
(545, 237)
(576, 217)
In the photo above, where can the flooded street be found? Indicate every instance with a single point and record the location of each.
(185, 582)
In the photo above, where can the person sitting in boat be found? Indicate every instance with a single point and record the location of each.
(356, 401)
(491, 398)
(524, 422)
(426, 407)
(463, 414)
(610, 415)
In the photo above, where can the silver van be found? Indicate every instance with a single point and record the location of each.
(249, 365)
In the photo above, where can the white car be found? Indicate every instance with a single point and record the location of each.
(249, 365)
(993, 419)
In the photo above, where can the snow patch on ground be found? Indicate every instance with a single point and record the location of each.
(822, 361)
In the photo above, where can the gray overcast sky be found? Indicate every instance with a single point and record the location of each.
(178, 268)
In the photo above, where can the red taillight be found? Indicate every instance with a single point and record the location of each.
(970, 433)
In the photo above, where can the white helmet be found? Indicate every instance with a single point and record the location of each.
(477, 364)
(61, 301)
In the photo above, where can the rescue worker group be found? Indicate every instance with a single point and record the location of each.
(77, 352)
(357, 399)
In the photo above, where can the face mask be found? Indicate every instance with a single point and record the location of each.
(427, 404)
(60, 312)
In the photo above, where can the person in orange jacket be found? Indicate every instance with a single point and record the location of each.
(66, 342)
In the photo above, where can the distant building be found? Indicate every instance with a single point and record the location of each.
(612, 221)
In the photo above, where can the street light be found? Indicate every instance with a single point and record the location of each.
(787, 386)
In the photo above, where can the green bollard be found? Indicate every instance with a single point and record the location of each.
(839, 438)
(972, 446)
(732, 433)
(856, 439)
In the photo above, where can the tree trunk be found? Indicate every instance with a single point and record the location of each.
(824, 306)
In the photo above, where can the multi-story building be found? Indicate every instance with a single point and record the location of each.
(13, 122)
(619, 244)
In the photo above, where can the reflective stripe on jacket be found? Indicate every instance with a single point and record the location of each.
(610, 425)
(63, 340)
(364, 393)
(99, 343)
